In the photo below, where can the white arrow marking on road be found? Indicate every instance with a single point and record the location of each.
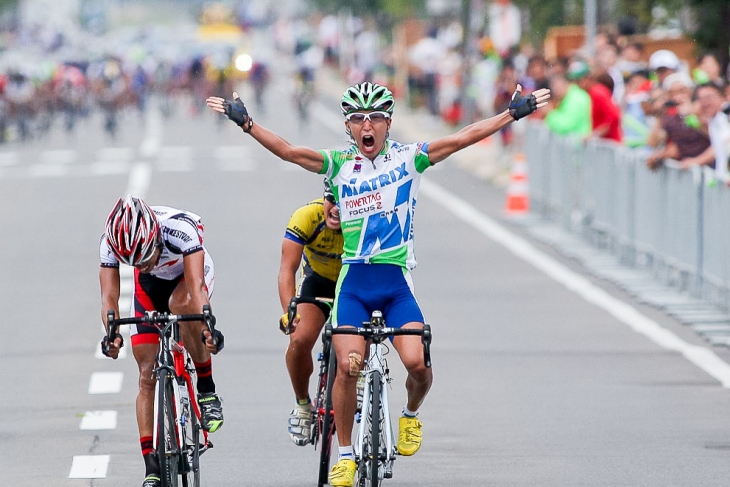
(702, 357)
(99, 420)
(89, 467)
(105, 382)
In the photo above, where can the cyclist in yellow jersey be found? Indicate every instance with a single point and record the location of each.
(313, 240)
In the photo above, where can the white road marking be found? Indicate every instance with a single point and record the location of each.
(153, 136)
(233, 165)
(47, 170)
(99, 420)
(8, 159)
(105, 382)
(139, 179)
(58, 156)
(89, 467)
(110, 167)
(174, 165)
(115, 154)
(232, 152)
(700, 356)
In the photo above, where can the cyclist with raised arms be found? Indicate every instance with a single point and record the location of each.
(173, 273)
(312, 242)
(375, 183)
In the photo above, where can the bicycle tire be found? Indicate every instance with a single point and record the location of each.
(328, 425)
(191, 444)
(375, 429)
(167, 445)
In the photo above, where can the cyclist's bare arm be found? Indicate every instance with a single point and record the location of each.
(291, 258)
(194, 271)
(109, 282)
(519, 107)
(309, 159)
(441, 148)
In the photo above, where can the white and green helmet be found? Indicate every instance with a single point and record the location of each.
(367, 96)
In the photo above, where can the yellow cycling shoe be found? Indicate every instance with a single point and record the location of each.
(343, 474)
(409, 438)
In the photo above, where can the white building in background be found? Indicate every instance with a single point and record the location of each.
(56, 13)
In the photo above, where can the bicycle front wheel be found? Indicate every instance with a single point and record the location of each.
(325, 417)
(168, 453)
(375, 414)
(191, 444)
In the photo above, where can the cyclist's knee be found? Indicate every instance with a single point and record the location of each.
(418, 371)
(349, 369)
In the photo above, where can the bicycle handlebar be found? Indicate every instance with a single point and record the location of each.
(292, 309)
(153, 317)
(379, 333)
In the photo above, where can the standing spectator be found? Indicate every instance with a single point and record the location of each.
(535, 75)
(506, 79)
(714, 113)
(708, 70)
(571, 112)
(606, 59)
(680, 128)
(663, 62)
(629, 60)
(426, 56)
(605, 114)
(635, 122)
(367, 53)
(504, 26)
(484, 78)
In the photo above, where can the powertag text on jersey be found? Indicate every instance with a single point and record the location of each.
(182, 234)
(377, 200)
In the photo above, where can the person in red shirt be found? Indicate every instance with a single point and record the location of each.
(605, 114)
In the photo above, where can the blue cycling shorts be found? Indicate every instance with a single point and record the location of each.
(364, 288)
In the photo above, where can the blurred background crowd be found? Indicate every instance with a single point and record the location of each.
(649, 74)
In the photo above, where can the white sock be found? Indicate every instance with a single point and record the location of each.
(407, 412)
(345, 451)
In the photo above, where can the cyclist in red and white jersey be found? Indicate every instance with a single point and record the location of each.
(375, 183)
(174, 273)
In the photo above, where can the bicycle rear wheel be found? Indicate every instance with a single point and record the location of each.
(168, 454)
(325, 418)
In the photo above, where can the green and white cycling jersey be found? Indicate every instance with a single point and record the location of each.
(377, 200)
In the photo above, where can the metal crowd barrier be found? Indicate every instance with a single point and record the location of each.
(669, 221)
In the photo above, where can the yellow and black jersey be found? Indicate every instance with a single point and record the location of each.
(322, 246)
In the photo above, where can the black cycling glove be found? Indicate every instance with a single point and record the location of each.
(105, 342)
(522, 106)
(218, 338)
(237, 112)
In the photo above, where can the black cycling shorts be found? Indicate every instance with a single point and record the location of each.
(316, 286)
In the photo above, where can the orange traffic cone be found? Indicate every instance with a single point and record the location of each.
(518, 201)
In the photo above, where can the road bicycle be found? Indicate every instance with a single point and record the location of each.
(375, 447)
(323, 416)
(179, 438)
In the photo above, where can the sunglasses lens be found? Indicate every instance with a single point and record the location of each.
(357, 118)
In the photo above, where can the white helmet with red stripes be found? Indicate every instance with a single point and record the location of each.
(132, 230)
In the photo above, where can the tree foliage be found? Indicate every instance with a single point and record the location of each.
(395, 9)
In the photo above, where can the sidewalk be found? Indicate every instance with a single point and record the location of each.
(487, 160)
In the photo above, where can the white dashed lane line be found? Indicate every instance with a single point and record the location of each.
(95, 466)
(89, 467)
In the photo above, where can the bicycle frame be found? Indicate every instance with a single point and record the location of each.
(323, 426)
(375, 461)
(174, 376)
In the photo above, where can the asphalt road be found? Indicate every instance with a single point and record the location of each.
(535, 383)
